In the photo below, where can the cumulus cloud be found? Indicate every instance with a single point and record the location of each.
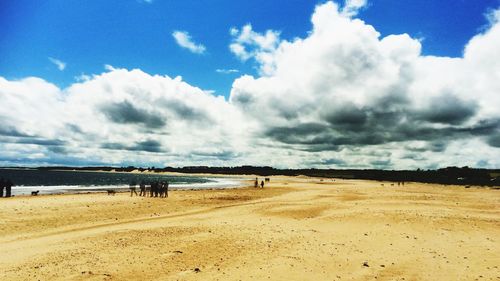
(184, 40)
(247, 44)
(345, 90)
(60, 64)
(341, 97)
(352, 7)
(119, 116)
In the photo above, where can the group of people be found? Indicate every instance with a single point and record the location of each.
(256, 184)
(155, 188)
(7, 185)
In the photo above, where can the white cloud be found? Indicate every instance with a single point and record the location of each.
(60, 64)
(184, 40)
(352, 7)
(226, 71)
(343, 96)
(120, 116)
(83, 77)
(247, 44)
(343, 92)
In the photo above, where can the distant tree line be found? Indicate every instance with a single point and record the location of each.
(449, 175)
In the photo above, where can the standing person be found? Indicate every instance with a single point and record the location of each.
(2, 186)
(132, 188)
(166, 189)
(152, 188)
(157, 187)
(162, 189)
(8, 185)
(142, 186)
(256, 184)
(262, 184)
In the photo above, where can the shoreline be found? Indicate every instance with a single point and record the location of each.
(214, 183)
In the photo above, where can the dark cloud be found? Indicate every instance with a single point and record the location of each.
(243, 99)
(352, 126)
(57, 149)
(494, 140)
(148, 146)
(31, 140)
(74, 128)
(186, 112)
(448, 109)
(305, 133)
(10, 131)
(127, 113)
(39, 141)
(114, 146)
(348, 116)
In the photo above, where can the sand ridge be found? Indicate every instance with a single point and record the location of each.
(297, 228)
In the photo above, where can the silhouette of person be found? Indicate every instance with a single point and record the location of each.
(8, 186)
(132, 189)
(157, 186)
(162, 189)
(142, 187)
(152, 188)
(2, 186)
(166, 189)
(262, 184)
(256, 184)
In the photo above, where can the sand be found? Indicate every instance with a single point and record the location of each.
(296, 228)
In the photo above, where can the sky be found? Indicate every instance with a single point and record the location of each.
(328, 84)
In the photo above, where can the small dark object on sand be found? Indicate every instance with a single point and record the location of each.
(365, 264)
(111, 192)
(35, 193)
(197, 270)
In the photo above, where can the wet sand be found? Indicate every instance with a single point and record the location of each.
(296, 228)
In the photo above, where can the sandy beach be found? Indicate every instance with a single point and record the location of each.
(296, 228)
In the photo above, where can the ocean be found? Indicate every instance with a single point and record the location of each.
(56, 182)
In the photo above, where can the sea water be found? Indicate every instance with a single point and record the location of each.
(54, 182)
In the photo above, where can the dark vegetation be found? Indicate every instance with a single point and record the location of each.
(449, 175)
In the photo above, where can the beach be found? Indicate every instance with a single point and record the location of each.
(295, 228)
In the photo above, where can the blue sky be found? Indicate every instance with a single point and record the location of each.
(401, 84)
(86, 35)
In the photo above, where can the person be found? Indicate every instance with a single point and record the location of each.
(8, 185)
(151, 190)
(2, 186)
(132, 188)
(157, 188)
(162, 189)
(262, 184)
(166, 189)
(256, 183)
(142, 186)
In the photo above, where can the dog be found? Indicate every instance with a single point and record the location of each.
(35, 193)
(111, 192)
